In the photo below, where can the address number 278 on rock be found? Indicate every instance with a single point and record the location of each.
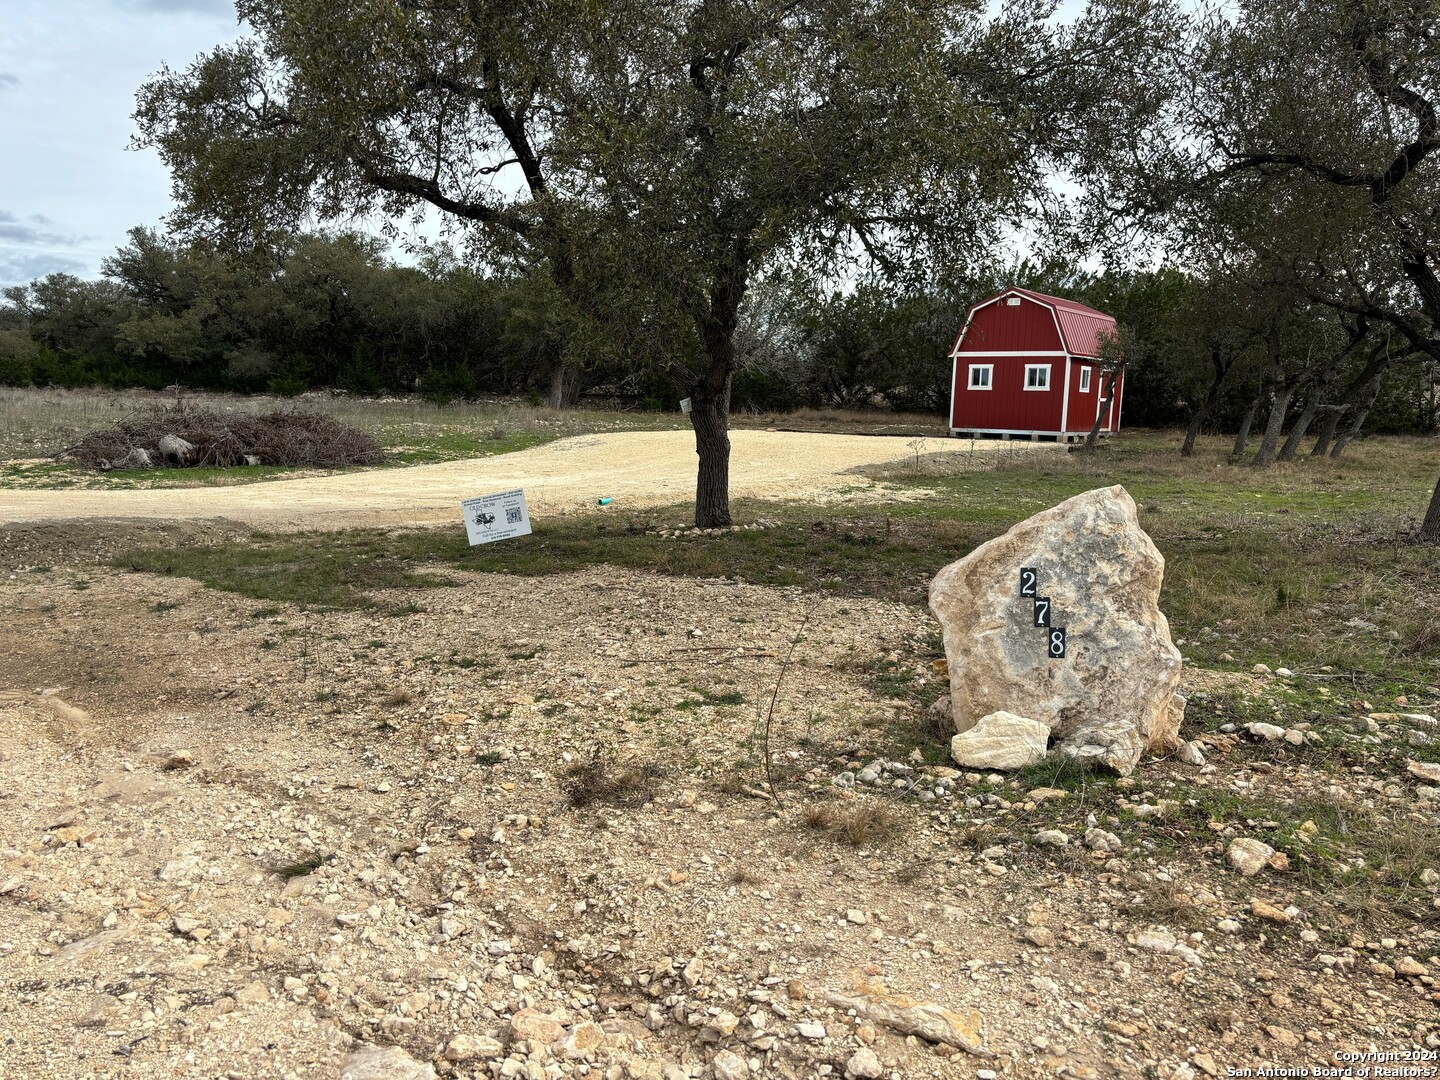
(1041, 610)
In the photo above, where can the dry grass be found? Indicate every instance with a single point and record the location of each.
(740, 874)
(393, 699)
(1161, 902)
(869, 823)
(819, 816)
(598, 783)
(221, 441)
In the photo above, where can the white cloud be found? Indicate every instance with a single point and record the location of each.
(13, 232)
(23, 267)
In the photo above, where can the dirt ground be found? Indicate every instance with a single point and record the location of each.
(635, 468)
(253, 841)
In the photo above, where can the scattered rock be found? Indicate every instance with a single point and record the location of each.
(1162, 941)
(1100, 840)
(470, 1047)
(864, 1065)
(1248, 856)
(534, 1026)
(1425, 770)
(1263, 910)
(1051, 838)
(384, 1063)
(730, 1066)
(1041, 936)
(1001, 740)
(926, 1020)
(85, 946)
(252, 993)
(1410, 967)
(1268, 732)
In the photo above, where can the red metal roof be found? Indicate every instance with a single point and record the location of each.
(1083, 328)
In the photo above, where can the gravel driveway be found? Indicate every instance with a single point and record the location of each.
(637, 468)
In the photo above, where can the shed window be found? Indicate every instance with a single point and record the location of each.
(980, 376)
(1084, 380)
(1037, 376)
(1012, 301)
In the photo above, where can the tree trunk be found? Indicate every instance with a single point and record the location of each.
(1327, 432)
(1212, 398)
(709, 391)
(1111, 378)
(1265, 456)
(1243, 435)
(710, 417)
(1357, 421)
(1379, 361)
(1192, 432)
(556, 400)
(1430, 529)
(1306, 417)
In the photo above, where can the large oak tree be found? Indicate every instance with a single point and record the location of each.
(653, 155)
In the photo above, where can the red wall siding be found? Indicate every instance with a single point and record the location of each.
(1008, 406)
(998, 327)
(1082, 406)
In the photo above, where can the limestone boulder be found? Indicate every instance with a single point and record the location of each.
(1113, 695)
(1001, 740)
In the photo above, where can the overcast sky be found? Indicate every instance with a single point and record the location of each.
(69, 188)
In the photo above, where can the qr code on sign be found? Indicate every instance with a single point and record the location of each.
(512, 516)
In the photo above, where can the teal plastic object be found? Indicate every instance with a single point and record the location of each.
(604, 502)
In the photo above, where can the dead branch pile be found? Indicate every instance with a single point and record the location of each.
(198, 437)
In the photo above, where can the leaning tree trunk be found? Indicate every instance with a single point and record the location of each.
(1305, 419)
(1212, 398)
(1269, 445)
(1323, 372)
(1327, 431)
(1430, 528)
(1243, 435)
(1357, 421)
(1192, 432)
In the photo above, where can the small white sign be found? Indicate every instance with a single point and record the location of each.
(496, 517)
(685, 405)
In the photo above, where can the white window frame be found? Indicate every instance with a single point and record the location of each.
(988, 369)
(1085, 380)
(1045, 368)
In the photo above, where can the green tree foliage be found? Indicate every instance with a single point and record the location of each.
(663, 154)
(1306, 141)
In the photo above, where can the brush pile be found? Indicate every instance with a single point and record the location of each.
(194, 438)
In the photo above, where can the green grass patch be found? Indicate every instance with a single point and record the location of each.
(709, 697)
(1303, 566)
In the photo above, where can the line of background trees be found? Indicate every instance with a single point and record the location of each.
(333, 311)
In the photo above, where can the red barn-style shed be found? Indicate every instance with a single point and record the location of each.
(1027, 364)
